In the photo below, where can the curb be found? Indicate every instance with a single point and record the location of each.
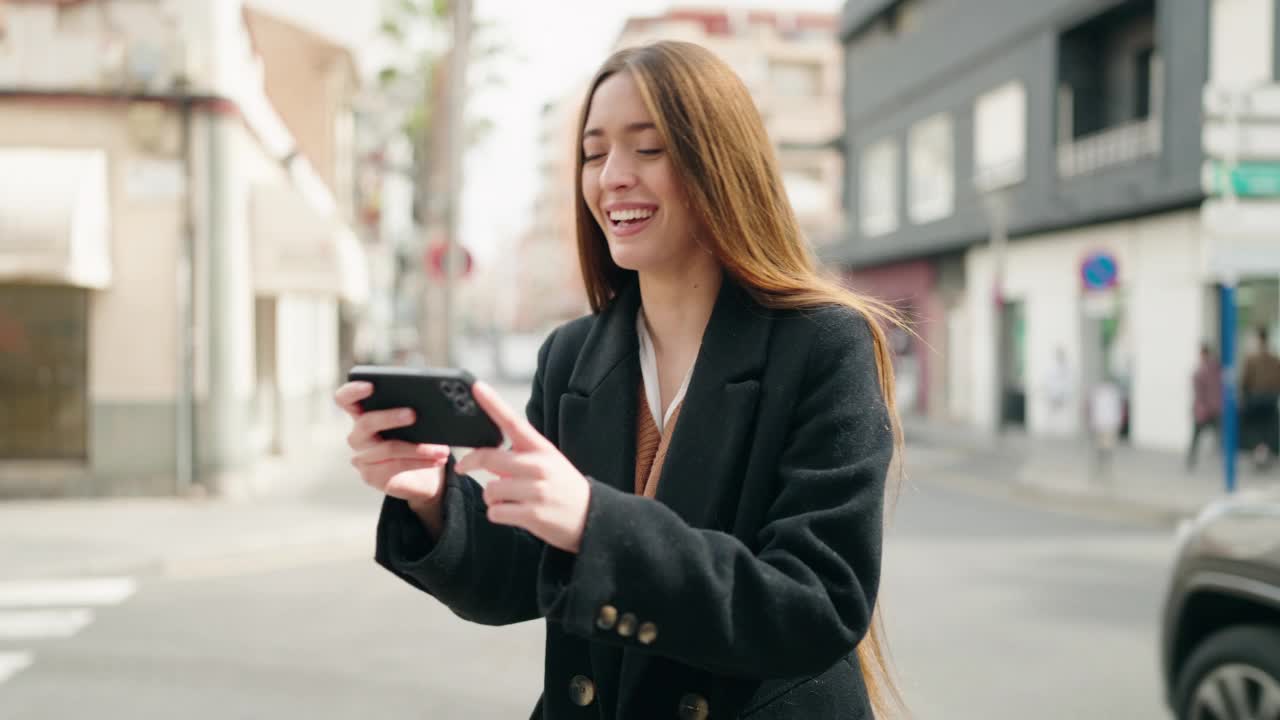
(341, 540)
(1097, 505)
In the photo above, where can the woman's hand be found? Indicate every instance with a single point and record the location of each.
(414, 473)
(537, 488)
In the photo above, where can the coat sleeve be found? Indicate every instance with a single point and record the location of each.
(483, 572)
(805, 598)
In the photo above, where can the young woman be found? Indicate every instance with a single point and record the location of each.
(695, 500)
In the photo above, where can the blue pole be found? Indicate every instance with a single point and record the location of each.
(1230, 418)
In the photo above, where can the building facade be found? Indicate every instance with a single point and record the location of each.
(1047, 157)
(175, 257)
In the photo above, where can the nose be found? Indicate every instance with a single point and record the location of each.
(617, 174)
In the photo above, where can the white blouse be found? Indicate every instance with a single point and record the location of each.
(649, 371)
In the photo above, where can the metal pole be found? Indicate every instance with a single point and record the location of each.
(184, 435)
(457, 143)
(1230, 417)
(997, 209)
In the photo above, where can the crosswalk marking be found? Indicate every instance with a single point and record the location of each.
(64, 593)
(12, 663)
(34, 610)
(43, 623)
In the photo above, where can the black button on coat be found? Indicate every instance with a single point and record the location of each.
(754, 573)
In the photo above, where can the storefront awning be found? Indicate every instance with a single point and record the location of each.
(54, 218)
(297, 249)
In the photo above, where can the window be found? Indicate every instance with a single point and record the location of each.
(931, 157)
(1109, 64)
(1000, 136)
(808, 194)
(879, 188)
(795, 79)
(1143, 61)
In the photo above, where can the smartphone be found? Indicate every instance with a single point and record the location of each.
(446, 411)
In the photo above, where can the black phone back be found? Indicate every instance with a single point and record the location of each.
(447, 413)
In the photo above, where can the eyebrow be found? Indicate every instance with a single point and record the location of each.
(631, 128)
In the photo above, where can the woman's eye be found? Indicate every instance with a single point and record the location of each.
(591, 157)
(650, 152)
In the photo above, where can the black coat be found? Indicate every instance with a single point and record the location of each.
(744, 589)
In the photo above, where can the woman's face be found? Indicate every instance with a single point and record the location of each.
(629, 183)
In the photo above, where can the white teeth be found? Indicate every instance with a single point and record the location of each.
(628, 215)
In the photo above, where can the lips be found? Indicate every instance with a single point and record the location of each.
(627, 219)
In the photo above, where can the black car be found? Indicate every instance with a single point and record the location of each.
(1220, 644)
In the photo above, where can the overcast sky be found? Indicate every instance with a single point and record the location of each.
(554, 44)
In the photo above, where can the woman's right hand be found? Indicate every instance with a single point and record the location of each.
(411, 472)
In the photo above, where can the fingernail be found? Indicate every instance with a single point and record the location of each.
(406, 415)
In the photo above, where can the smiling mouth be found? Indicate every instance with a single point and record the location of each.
(626, 222)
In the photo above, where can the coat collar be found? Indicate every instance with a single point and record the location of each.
(733, 348)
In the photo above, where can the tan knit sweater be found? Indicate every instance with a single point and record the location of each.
(651, 446)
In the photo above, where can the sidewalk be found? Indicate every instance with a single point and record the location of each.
(309, 508)
(334, 516)
(1142, 484)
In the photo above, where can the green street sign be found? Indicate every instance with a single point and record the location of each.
(1249, 180)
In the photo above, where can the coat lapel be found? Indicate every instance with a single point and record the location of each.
(598, 411)
(702, 474)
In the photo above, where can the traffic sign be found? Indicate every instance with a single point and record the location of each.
(1246, 140)
(1248, 180)
(1099, 271)
(435, 260)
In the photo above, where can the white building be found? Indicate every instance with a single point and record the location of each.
(174, 256)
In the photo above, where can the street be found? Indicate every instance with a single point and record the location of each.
(996, 610)
(1002, 610)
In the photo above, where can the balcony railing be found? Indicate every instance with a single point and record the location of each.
(1117, 145)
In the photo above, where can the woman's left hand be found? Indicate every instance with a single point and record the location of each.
(536, 488)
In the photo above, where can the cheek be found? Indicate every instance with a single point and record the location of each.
(667, 191)
(590, 188)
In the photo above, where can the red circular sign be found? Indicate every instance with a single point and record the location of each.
(435, 260)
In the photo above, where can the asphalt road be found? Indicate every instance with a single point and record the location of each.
(995, 610)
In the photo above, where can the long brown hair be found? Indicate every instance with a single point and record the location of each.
(723, 156)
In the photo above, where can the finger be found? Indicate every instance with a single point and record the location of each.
(373, 422)
(513, 514)
(380, 475)
(503, 463)
(523, 436)
(348, 397)
(414, 482)
(389, 450)
(514, 490)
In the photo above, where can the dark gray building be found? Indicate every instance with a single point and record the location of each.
(1112, 110)
(1069, 126)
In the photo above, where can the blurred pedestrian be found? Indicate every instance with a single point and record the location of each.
(1206, 405)
(695, 502)
(1106, 416)
(1260, 387)
(1059, 387)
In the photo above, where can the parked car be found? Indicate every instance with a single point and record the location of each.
(1220, 641)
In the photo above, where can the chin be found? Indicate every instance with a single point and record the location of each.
(629, 258)
(627, 261)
